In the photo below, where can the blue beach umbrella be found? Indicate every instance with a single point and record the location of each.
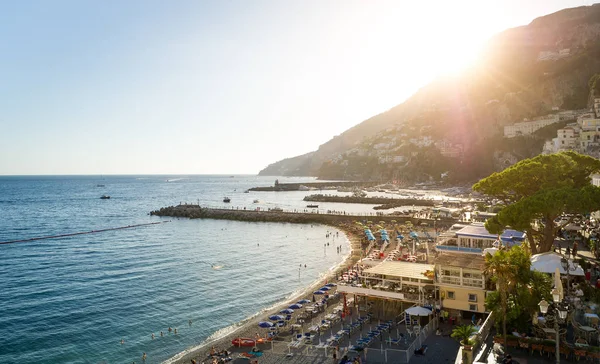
(331, 284)
(287, 311)
(319, 292)
(265, 324)
(295, 306)
(325, 288)
(304, 301)
(276, 317)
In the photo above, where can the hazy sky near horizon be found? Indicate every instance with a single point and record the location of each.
(199, 87)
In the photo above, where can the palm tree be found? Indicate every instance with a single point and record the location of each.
(498, 266)
(463, 333)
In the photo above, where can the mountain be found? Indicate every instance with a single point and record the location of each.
(456, 123)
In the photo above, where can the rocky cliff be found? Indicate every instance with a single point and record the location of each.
(525, 72)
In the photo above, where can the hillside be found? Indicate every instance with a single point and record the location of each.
(457, 123)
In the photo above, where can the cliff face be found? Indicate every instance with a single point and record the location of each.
(524, 72)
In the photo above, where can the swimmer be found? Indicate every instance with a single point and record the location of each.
(304, 265)
(152, 336)
(190, 322)
(161, 334)
(144, 357)
(122, 341)
(175, 331)
(170, 329)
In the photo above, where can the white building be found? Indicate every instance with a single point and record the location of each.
(596, 180)
(567, 139)
(597, 107)
(528, 127)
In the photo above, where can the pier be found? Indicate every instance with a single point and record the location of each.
(300, 217)
(80, 233)
(392, 202)
(316, 185)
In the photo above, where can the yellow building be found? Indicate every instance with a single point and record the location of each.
(461, 283)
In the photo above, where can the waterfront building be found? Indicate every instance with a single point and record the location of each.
(474, 239)
(461, 283)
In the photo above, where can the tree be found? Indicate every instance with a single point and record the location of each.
(498, 266)
(463, 333)
(535, 191)
(519, 290)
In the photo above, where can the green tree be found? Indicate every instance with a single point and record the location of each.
(535, 191)
(498, 266)
(463, 333)
(519, 289)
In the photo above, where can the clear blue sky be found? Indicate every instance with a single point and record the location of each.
(131, 87)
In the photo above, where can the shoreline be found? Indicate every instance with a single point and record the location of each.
(248, 327)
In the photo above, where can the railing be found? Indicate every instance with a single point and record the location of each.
(481, 335)
(462, 249)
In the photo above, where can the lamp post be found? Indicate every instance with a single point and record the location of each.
(560, 311)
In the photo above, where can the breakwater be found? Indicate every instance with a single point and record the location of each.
(317, 185)
(197, 212)
(387, 202)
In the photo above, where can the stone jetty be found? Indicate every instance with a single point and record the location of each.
(280, 187)
(198, 212)
(388, 202)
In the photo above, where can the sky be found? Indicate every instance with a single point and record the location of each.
(218, 87)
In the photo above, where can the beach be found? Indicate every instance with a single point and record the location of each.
(249, 328)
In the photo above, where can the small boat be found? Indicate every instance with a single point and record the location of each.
(104, 197)
(256, 201)
(226, 199)
(99, 185)
(312, 206)
(243, 341)
(247, 191)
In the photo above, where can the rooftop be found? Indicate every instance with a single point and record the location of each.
(401, 269)
(461, 260)
(478, 231)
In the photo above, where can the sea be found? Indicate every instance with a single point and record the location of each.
(99, 297)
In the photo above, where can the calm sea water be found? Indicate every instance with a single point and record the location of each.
(73, 299)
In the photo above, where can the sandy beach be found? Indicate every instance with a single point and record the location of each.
(249, 328)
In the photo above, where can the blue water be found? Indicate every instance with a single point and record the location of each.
(73, 299)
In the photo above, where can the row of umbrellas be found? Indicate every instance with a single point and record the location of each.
(292, 307)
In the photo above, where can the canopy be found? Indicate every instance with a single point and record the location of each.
(295, 306)
(287, 311)
(418, 311)
(276, 317)
(319, 292)
(548, 263)
(265, 324)
(324, 288)
(492, 251)
(304, 301)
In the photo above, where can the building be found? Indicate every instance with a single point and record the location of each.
(450, 150)
(567, 139)
(596, 180)
(461, 283)
(529, 127)
(473, 239)
(597, 107)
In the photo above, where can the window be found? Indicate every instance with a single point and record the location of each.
(472, 307)
(563, 142)
(472, 297)
(450, 295)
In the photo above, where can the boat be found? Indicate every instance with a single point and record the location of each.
(104, 197)
(99, 185)
(247, 191)
(256, 201)
(312, 206)
(226, 199)
(277, 209)
(243, 341)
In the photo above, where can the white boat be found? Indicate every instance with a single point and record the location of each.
(256, 201)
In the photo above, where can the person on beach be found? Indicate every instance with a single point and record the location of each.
(335, 355)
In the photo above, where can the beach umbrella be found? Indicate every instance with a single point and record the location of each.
(331, 284)
(276, 317)
(418, 311)
(287, 311)
(265, 324)
(318, 292)
(304, 301)
(325, 288)
(295, 306)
